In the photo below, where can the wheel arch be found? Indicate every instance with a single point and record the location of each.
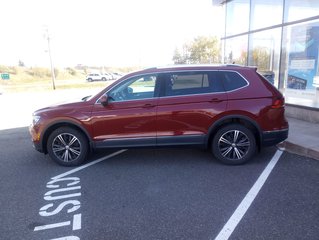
(240, 119)
(59, 124)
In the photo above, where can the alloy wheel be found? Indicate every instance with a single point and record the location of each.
(66, 147)
(234, 145)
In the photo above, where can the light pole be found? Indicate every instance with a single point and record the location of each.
(47, 36)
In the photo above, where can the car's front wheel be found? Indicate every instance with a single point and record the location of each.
(234, 144)
(67, 146)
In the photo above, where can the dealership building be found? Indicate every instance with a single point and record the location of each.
(281, 38)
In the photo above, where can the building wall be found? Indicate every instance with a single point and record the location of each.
(281, 38)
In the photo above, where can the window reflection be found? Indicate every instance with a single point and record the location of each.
(237, 17)
(265, 13)
(264, 52)
(300, 9)
(236, 50)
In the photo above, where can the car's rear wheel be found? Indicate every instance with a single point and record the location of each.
(67, 146)
(234, 144)
(103, 79)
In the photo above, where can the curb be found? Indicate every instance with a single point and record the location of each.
(299, 150)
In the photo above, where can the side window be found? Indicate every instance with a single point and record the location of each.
(135, 88)
(232, 81)
(188, 83)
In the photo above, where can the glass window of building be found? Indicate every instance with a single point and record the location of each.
(300, 64)
(300, 9)
(264, 52)
(237, 17)
(265, 13)
(236, 50)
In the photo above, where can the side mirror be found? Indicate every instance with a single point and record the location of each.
(104, 100)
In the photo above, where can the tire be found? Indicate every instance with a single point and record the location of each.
(90, 80)
(67, 146)
(234, 144)
(103, 79)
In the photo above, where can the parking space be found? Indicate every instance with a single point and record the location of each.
(166, 194)
(287, 206)
(152, 194)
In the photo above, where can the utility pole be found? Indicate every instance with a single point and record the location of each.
(47, 36)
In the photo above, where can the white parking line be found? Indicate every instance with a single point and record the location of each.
(62, 187)
(50, 226)
(88, 165)
(242, 208)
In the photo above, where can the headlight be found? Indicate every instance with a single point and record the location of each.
(35, 119)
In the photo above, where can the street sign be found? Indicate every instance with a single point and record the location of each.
(5, 76)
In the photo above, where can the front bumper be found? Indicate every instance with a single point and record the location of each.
(37, 146)
(271, 138)
(35, 137)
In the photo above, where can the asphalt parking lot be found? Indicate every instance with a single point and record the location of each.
(152, 194)
(164, 193)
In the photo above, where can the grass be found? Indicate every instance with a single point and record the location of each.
(48, 85)
(24, 79)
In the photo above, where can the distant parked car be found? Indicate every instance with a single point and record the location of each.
(98, 77)
(232, 110)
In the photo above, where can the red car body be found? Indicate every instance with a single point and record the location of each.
(168, 119)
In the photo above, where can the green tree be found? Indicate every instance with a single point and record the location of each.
(199, 51)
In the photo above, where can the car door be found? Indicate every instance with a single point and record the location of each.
(129, 118)
(187, 107)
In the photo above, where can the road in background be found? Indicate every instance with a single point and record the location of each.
(17, 108)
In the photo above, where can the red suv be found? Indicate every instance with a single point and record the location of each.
(230, 109)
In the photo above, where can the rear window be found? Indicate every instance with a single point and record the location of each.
(233, 81)
(188, 83)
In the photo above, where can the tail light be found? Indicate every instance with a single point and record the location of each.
(278, 103)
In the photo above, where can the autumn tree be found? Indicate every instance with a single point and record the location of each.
(261, 58)
(199, 51)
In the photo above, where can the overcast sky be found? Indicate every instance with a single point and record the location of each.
(97, 32)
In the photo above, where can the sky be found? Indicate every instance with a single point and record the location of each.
(102, 33)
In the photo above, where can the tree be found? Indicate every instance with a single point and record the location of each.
(178, 58)
(21, 63)
(261, 58)
(199, 51)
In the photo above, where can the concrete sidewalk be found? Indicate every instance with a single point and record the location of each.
(303, 138)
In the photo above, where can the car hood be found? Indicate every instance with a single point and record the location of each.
(70, 104)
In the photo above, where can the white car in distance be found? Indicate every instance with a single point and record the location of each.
(98, 77)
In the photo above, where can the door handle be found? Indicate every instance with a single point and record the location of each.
(148, 105)
(216, 100)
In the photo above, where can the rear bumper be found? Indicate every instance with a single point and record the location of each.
(271, 138)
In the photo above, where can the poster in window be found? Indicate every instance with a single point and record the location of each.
(303, 57)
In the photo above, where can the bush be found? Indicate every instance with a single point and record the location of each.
(7, 69)
(71, 71)
(56, 72)
(39, 72)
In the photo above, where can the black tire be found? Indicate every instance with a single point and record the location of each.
(90, 80)
(67, 146)
(234, 144)
(103, 79)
